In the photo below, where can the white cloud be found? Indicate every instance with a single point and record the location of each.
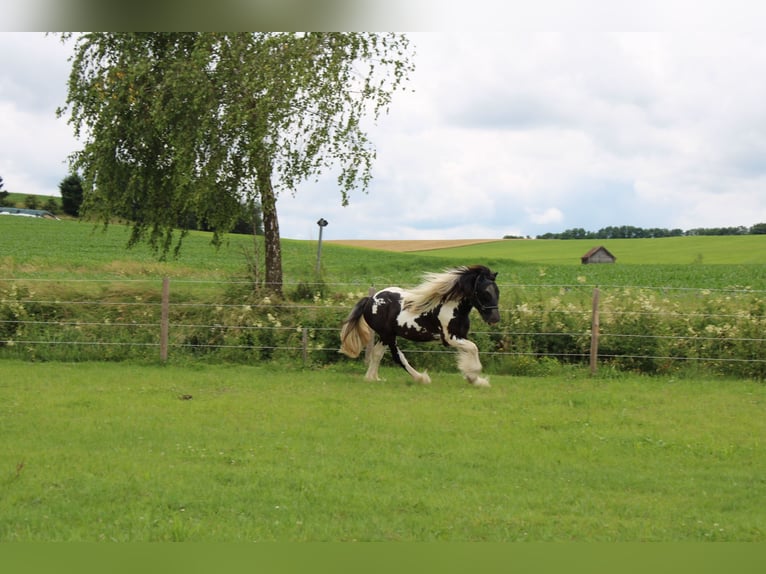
(516, 132)
(548, 216)
(33, 151)
(35, 144)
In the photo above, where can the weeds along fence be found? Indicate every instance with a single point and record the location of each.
(641, 329)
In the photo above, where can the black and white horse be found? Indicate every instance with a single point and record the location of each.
(437, 309)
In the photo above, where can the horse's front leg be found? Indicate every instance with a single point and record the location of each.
(401, 360)
(468, 360)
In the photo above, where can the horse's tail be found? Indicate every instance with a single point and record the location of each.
(355, 333)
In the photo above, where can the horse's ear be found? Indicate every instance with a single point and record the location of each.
(493, 275)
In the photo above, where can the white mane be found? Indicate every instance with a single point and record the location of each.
(436, 288)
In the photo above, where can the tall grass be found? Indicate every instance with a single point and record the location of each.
(126, 452)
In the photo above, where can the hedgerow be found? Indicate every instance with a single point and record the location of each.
(641, 330)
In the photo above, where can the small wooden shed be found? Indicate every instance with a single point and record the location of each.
(598, 254)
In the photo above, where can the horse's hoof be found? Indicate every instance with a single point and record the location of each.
(424, 379)
(481, 382)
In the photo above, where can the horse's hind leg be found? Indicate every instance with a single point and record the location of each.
(401, 360)
(375, 357)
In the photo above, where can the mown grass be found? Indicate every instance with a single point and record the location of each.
(132, 452)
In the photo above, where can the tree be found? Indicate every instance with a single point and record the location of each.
(3, 195)
(51, 206)
(182, 124)
(71, 192)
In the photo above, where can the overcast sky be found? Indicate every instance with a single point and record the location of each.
(516, 133)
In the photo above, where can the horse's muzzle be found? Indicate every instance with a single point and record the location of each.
(491, 316)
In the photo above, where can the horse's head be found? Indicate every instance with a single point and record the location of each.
(486, 295)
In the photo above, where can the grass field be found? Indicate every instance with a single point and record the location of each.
(741, 249)
(214, 451)
(127, 452)
(71, 249)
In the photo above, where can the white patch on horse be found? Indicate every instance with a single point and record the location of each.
(379, 298)
(447, 313)
(407, 320)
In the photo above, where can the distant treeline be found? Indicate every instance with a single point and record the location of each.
(630, 232)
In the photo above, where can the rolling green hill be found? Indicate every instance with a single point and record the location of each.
(74, 249)
(726, 249)
(19, 200)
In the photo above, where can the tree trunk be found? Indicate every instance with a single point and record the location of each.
(273, 249)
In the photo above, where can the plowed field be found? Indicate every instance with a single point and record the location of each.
(403, 245)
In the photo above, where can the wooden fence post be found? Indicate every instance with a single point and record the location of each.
(594, 333)
(371, 344)
(164, 324)
(305, 345)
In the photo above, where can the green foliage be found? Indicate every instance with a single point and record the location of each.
(13, 314)
(71, 192)
(51, 205)
(642, 330)
(630, 232)
(4, 202)
(183, 127)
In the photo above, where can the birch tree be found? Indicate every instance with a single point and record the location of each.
(179, 126)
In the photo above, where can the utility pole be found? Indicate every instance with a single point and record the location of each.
(322, 223)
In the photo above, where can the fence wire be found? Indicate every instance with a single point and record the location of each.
(540, 321)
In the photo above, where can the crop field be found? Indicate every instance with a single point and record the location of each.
(745, 249)
(68, 249)
(247, 442)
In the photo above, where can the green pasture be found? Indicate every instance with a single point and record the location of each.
(130, 452)
(691, 250)
(70, 249)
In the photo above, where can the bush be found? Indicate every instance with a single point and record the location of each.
(13, 314)
(642, 330)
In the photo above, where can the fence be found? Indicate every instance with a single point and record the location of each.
(643, 329)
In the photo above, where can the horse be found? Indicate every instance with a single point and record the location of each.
(437, 309)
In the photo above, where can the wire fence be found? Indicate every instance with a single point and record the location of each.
(638, 328)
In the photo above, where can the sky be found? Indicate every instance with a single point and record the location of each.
(500, 133)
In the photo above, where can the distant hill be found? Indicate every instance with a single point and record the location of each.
(47, 202)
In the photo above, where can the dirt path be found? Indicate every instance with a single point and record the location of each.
(403, 245)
